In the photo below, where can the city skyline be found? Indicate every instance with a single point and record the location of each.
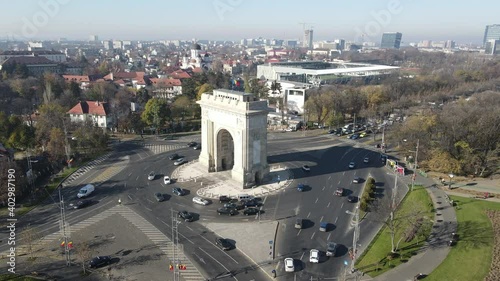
(237, 19)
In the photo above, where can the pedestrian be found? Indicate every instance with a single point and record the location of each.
(119, 201)
(274, 273)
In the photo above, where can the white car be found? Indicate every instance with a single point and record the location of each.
(366, 160)
(151, 176)
(179, 161)
(306, 168)
(289, 267)
(352, 165)
(314, 256)
(166, 180)
(201, 201)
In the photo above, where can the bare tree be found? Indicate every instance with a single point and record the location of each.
(397, 221)
(30, 235)
(84, 254)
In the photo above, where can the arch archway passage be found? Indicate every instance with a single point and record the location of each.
(225, 151)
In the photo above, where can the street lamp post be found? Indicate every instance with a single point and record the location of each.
(451, 175)
(356, 235)
(416, 165)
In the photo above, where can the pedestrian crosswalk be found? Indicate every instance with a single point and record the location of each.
(160, 148)
(86, 168)
(160, 240)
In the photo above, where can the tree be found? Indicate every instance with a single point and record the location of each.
(84, 253)
(51, 116)
(181, 107)
(30, 235)
(156, 113)
(56, 145)
(205, 88)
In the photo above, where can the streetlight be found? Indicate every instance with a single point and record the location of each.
(355, 236)
(451, 175)
(416, 167)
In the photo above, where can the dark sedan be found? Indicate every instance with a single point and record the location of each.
(186, 216)
(174, 156)
(224, 244)
(99, 261)
(227, 211)
(251, 211)
(82, 204)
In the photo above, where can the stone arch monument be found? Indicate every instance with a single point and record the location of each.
(234, 135)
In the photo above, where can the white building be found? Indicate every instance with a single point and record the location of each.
(95, 111)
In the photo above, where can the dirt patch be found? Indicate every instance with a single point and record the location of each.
(494, 273)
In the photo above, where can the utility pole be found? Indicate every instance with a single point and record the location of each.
(394, 192)
(67, 148)
(175, 243)
(355, 237)
(416, 166)
(30, 174)
(65, 231)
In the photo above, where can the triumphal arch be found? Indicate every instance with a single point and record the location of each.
(234, 135)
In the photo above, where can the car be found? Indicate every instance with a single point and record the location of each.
(331, 132)
(192, 144)
(224, 244)
(352, 199)
(301, 187)
(366, 160)
(352, 165)
(178, 191)
(197, 147)
(235, 206)
(185, 215)
(99, 261)
(167, 180)
(331, 248)
(249, 203)
(201, 201)
(179, 161)
(227, 211)
(357, 180)
(339, 191)
(251, 211)
(306, 168)
(159, 197)
(82, 204)
(174, 156)
(151, 176)
(323, 226)
(363, 134)
(314, 256)
(299, 223)
(289, 267)
(224, 198)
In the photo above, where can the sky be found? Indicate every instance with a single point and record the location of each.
(361, 20)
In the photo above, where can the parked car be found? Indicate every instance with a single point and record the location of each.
(82, 204)
(201, 201)
(224, 244)
(178, 191)
(180, 161)
(151, 176)
(357, 180)
(289, 267)
(185, 215)
(224, 198)
(306, 168)
(167, 180)
(251, 211)
(250, 203)
(174, 156)
(159, 197)
(192, 144)
(235, 206)
(99, 261)
(227, 211)
(331, 248)
(314, 256)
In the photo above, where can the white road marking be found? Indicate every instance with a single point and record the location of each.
(336, 219)
(299, 232)
(328, 205)
(308, 215)
(312, 236)
(330, 177)
(316, 200)
(148, 209)
(342, 206)
(302, 256)
(218, 248)
(216, 261)
(323, 188)
(339, 183)
(113, 185)
(321, 219)
(137, 178)
(129, 175)
(328, 238)
(129, 197)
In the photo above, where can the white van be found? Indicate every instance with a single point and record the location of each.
(85, 191)
(243, 197)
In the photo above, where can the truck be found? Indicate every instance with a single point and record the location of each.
(85, 191)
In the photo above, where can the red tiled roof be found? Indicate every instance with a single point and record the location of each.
(166, 81)
(124, 75)
(197, 70)
(180, 74)
(89, 107)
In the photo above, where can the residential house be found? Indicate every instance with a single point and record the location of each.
(97, 112)
(136, 80)
(166, 88)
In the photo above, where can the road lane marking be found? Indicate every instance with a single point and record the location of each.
(328, 205)
(218, 248)
(308, 215)
(302, 256)
(312, 236)
(129, 175)
(339, 183)
(321, 219)
(299, 232)
(137, 178)
(336, 219)
(217, 261)
(342, 206)
(328, 238)
(316, 200)
(330, 177)
(129, 197)
(343, 173)
(323, 188)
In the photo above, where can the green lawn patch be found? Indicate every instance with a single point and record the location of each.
(470, 258)
(376, 259)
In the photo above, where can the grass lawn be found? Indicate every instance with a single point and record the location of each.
(374, 261)
(11, 277)
(471, 258)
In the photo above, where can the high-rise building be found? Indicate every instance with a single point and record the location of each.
(391, 40)
(492, 47)
(93, 38)
(308, 39)
(492, 32)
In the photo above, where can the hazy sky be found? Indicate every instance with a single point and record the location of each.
(462, 21)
